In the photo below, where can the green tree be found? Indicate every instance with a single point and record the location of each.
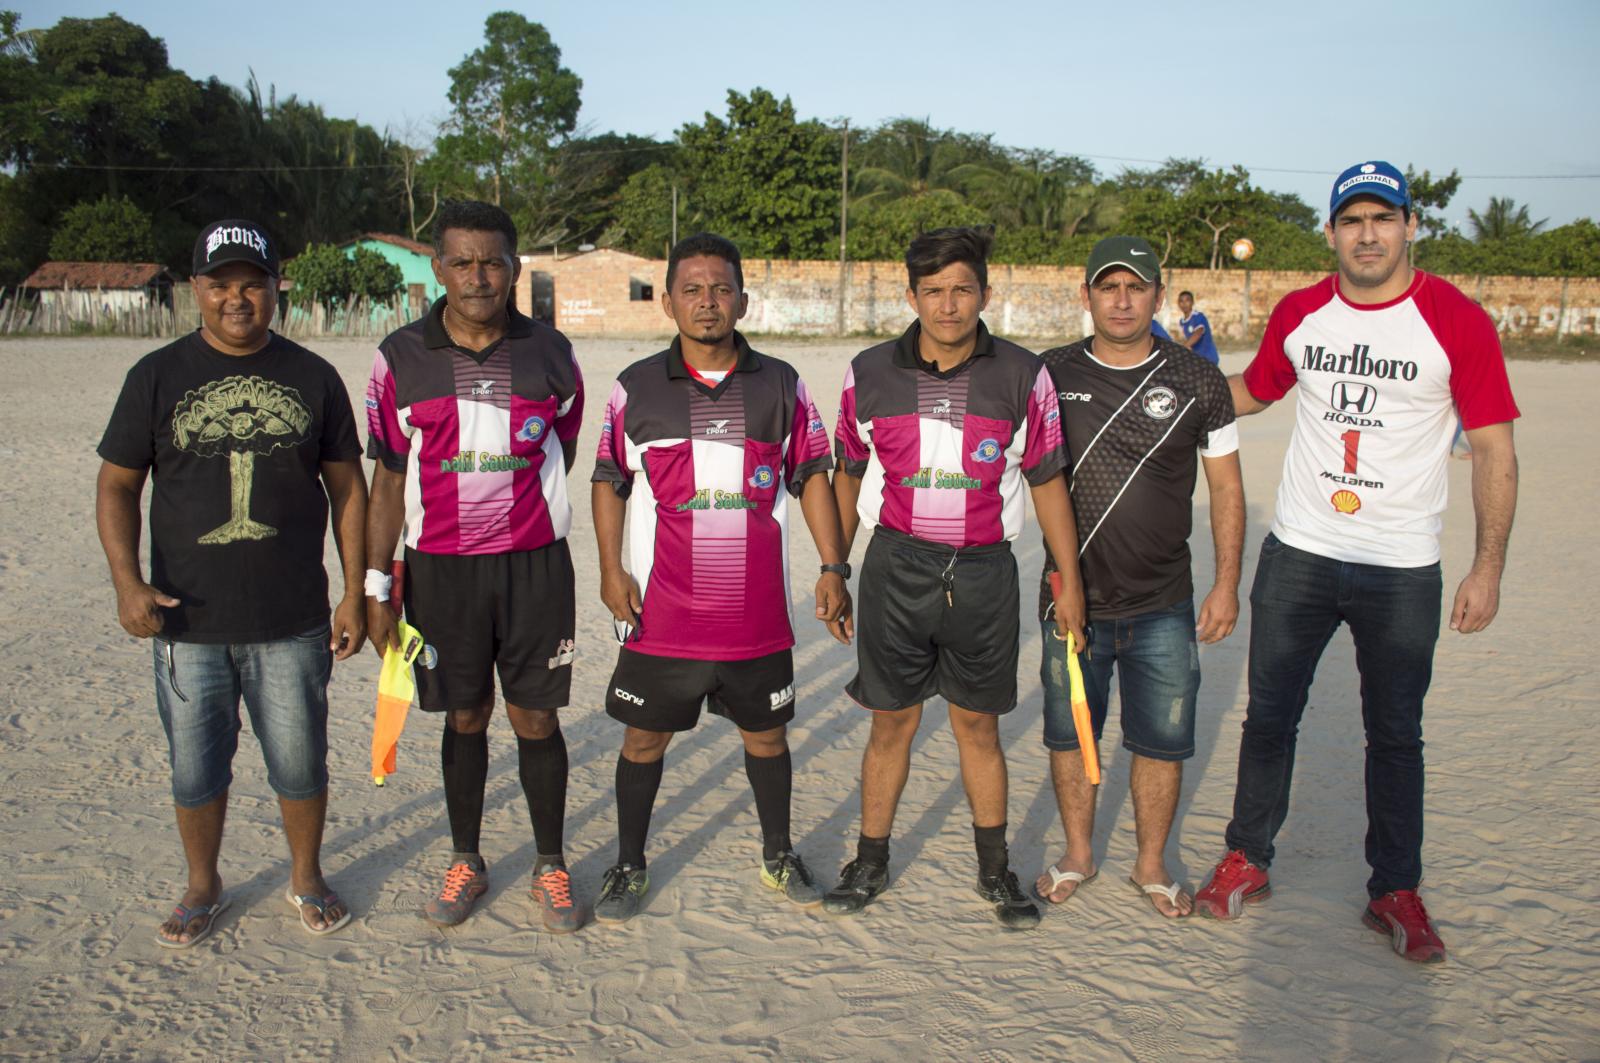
(883, 230)
(909, 157)
(642, 220)
(765, 179)
(324, 274)
(1502, 219)
(107, 230)
(20, 234)
(510, 101)
(1429, 196)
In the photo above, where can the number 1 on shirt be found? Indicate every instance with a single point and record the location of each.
(1352, 442)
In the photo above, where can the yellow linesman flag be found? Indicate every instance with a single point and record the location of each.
(396, 687)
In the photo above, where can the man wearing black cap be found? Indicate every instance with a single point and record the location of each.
(1136, 410)
(1386, 358)
(252, 441)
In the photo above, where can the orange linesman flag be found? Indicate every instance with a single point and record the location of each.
(396, 687)
(1081, 721)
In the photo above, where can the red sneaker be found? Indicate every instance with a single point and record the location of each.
(1402, 917)
(1235, 883)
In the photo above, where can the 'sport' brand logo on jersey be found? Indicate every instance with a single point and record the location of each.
(1351, 396)
(780, 698)
(1160, 403)
(1346, 502)
(483, 387)
(762, 477)
(532, 429)
(988, 450)
(717, 428)
(1359, 362)
(940, 409)
(626, 696)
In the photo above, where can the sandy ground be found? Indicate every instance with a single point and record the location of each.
(717, 967)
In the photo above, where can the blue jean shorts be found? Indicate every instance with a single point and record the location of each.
(284, 685)
(1158, 675)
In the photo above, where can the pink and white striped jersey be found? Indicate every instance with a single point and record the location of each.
(1381, 386)
(942, 456)
(478, 434)
(708, 526)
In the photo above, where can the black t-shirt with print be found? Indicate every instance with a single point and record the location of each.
(238, 512)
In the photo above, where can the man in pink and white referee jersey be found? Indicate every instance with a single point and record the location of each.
(1386, 358)
(473, 416)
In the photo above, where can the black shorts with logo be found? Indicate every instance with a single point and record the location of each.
(664, 694)
(913, 642)
(513, 613)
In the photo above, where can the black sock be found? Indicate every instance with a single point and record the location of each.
(636, 796)
(772, 779)
(991, 843)
(872, 850)
(542, 763)
(466, 769)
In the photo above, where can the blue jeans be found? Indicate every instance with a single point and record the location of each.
(1158, 676)
(284, 685)
(1297, 602)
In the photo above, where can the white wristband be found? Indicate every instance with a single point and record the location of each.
(379, 584)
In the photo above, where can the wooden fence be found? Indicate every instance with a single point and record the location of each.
(26, 313)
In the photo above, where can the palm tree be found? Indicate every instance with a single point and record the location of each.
(908, 157)
(1503, 219)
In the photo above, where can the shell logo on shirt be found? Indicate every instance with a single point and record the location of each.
(1345, 501)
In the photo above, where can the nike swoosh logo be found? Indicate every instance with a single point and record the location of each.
(1131, 251)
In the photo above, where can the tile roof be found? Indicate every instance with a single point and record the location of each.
(96, 275)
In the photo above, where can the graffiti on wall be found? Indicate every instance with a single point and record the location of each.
(1576, 319)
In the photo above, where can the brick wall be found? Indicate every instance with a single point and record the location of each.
(592, 296)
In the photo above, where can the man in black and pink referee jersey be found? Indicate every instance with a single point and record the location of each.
(473, 416)
(723, 436)
(1386, 358)
(937, 432)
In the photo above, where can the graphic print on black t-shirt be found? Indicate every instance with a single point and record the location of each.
(238, 510)
(239, 417)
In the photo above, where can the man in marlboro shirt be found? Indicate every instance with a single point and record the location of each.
(723, 435)
(937, 432)
(1386, 358)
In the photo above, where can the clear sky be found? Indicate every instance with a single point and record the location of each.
(1490, 89)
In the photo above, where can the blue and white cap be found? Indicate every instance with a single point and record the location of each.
(1374, 178)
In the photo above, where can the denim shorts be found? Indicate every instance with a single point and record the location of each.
(1158, 675)
(284, 684)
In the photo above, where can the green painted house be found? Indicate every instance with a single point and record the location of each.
(416, 267)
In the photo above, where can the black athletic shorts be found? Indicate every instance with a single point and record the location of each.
(656, 693)
(512, 613)
(913, 642)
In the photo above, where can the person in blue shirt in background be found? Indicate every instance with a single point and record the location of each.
(1196, 329)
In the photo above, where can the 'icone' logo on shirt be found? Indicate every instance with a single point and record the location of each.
(532, 429)
(988, 450)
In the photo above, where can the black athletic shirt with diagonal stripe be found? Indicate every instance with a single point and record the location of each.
(1133, 436)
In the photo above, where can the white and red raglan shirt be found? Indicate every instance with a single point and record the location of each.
(1380, 388)
(478, 434)
(942, 456)
(708, 466)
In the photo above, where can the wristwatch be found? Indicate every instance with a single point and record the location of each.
(843, 569)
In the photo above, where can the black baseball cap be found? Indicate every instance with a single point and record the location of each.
(234, 240)
(1128, 252)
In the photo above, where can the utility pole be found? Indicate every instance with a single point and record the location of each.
(674, 215)
(844, 222)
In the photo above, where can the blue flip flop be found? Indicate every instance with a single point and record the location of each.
(321, 904)
(209, 912)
